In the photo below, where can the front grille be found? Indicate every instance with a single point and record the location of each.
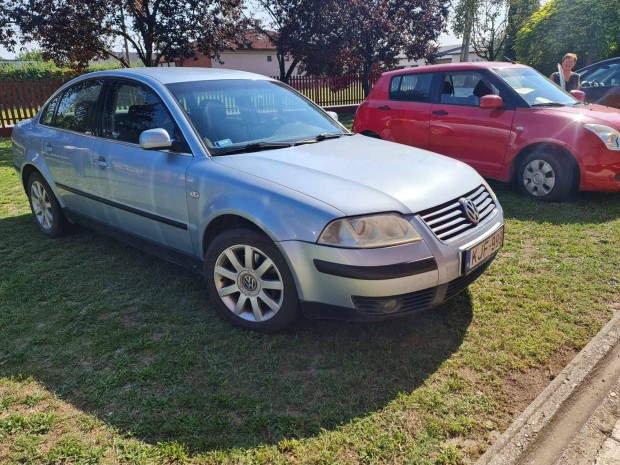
(448, 221)
(457, 285)
(374, 306)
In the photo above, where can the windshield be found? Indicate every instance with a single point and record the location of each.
(250, 113)
(535, 88)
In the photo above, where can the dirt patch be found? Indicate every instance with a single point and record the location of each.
(522, 388)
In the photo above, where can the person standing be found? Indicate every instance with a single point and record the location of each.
(570, 80)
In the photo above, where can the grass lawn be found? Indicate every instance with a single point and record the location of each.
(109, 355)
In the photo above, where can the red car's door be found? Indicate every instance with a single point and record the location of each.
(459, 128)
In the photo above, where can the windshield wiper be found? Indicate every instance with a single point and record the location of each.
(548, 104)
(322, 137)
(253, 147)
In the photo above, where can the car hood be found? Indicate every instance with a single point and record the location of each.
(604, 115)
(358, 175)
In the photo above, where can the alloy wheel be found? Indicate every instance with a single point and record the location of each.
(249, 283)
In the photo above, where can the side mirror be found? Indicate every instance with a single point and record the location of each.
(333, 114)
(579, 95)
(157, 138)
(491, 102)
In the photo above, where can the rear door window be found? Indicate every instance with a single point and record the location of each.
(77, 107)
(411, 87)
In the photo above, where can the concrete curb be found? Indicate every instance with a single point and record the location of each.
(512, 444)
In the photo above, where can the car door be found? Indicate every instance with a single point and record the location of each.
(66, 144)
(407, 112)
(460, 129)
(143, 191)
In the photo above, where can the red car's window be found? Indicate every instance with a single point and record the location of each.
(465, 88)
(411, 87)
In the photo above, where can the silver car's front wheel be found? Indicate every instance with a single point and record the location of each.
(249, 281)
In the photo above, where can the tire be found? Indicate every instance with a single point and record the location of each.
(545, 176)
(249, 281)
(46, 210)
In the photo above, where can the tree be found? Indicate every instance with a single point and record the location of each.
(363, 37)
(519, 11)
(588, 28)
(482, 23)
(69, 32)
(289, 27)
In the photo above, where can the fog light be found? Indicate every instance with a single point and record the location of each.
(618, 177)
(390, 306)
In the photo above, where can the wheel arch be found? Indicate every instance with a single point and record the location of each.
(225, 222)
(27, 171)
(551, 147)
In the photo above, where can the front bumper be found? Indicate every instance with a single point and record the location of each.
(600, 170)
(376, 284)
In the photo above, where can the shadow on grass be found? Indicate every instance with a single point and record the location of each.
(583, 208)
(133, 340)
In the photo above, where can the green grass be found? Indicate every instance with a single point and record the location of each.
(110, 355)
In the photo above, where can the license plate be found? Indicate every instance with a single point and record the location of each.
(478, 254)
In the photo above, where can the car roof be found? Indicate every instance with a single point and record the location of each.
(609, 61)
(171, 75)
(474, 65)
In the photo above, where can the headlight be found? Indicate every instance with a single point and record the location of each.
(609, 136)
(366, 232)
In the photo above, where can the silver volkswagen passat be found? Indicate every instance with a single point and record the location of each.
(283, 209)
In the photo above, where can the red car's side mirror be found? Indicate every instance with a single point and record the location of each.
(579, 95)
(491, 102)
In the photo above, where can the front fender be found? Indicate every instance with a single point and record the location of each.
(281, 213)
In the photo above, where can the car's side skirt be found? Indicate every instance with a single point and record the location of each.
(168, 253)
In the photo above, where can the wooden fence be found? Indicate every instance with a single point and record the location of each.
(330, 90)
(21, 100)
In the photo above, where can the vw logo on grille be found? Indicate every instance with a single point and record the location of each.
(250, 283)
(470, 210)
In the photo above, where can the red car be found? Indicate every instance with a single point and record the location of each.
(507, 121)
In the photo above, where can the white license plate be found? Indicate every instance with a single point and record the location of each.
(478, 254)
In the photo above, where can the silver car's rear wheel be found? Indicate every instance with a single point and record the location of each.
(45, 208)
(41, 205)
(249, 281)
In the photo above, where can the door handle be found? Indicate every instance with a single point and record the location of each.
(48, 148)
(440, 112)
(101, 162)
(385, 108)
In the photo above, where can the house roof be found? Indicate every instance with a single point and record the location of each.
(258, 41)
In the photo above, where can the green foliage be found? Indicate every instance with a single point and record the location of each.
(31, 55)
(519, 11)
(588, 28)
(33, 71)
(45, 70)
